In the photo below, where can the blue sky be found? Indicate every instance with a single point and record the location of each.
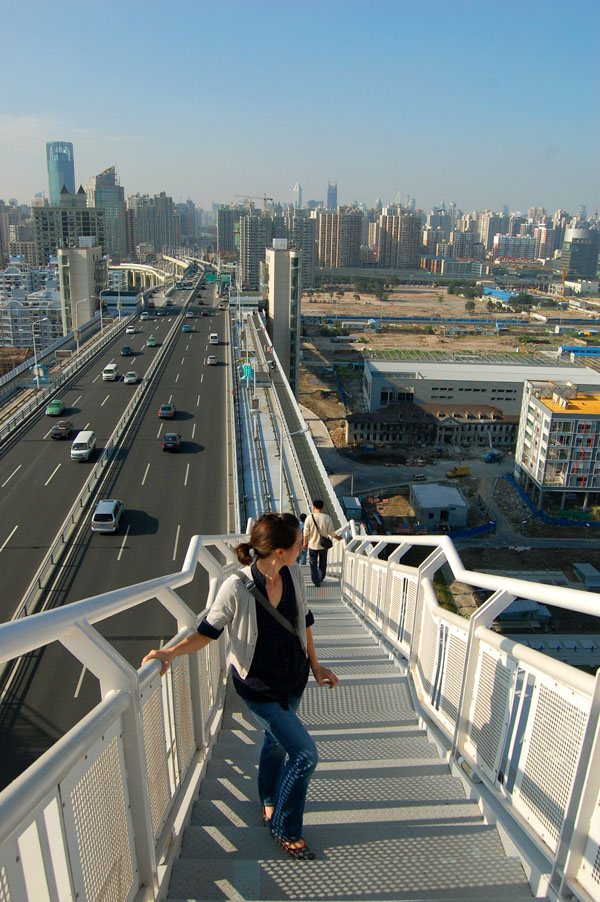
(480, 103)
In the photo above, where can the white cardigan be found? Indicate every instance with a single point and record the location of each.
(235, 607)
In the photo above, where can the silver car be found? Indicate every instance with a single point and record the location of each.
(107, 515)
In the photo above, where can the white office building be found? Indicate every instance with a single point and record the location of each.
(488, 380)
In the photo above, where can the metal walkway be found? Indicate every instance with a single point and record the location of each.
(384, 816)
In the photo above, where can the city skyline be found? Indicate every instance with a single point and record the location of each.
(459, 103)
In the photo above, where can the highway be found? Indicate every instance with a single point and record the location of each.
(168, 498)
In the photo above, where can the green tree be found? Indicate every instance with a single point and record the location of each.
(470, 306)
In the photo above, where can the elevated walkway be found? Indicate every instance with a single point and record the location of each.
(384, 815)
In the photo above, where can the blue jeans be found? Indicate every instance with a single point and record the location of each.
(302, 556)
(318, 564)
(282, 782)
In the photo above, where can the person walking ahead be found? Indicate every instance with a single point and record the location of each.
(317, 526)
(270, 662)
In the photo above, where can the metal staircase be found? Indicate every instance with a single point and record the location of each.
(384, 815)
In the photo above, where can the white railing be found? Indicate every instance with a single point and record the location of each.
(525, 725)
(101, 814)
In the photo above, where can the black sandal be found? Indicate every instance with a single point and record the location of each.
(300, 853)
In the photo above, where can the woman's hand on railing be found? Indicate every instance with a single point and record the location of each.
(159, 654)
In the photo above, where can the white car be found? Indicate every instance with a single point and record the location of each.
(131, 378)
(212, 360)
(130, 330)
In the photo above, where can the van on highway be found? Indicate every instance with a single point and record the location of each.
(110, 373)
(213, 338)
(84, 445)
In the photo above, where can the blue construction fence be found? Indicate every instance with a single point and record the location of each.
(473, 531)
(541, 515)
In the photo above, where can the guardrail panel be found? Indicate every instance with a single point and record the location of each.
(98, 824)
(551, 753)
(155, 725)
(489, 709)
(184, 720)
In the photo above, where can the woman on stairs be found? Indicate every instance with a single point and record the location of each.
(272, 649)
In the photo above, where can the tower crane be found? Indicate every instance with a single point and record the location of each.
(253, 197)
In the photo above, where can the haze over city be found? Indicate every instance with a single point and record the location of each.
(484, 105)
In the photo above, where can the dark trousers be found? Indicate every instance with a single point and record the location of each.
(318, 564)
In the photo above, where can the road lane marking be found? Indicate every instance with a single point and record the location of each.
(80, 681)
(123, 543)
(105, 400)
(10, 537)
(177, 378)
(145, 473)
(170, 399)
(76, 400)
(86, 427)
(11, 475)
(187, 470)
(176, 541)
(49, 431)
(183, 360)
(159, 430)
(198, 401)
(96, 379)
(55, 470)
(201, 378)
(193, 430)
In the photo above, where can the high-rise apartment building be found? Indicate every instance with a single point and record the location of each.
(301, 232)
(256, 234)
(167, 232)
(400, 237)
(332, 198)
(227, 217)
(491, 224)
(157, 221)
(62, 226)
(61, 169)
(283, 316)
(104, 192)
(339, 236)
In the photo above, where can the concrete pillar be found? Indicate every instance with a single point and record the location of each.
(586, 501)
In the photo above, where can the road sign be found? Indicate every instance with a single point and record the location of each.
(210, 277)
(247, 371)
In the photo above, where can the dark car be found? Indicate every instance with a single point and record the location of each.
(171, 441)
(62, 429)
(126, 351)
(167, 411)
(168, 303)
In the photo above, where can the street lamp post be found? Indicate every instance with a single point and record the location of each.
(76, 324)
(35, 359)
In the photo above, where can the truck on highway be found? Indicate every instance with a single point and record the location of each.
(458, 471)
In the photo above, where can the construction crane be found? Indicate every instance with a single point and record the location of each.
(252, 197)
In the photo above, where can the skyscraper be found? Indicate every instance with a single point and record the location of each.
(297, 195)
(63, 225)
(61, 169)
(104, 192)
(332, 197)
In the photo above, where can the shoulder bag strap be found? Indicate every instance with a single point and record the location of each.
(317, 525)
(266, 604)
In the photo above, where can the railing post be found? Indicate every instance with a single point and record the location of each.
(114, 673)
(483, 617)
